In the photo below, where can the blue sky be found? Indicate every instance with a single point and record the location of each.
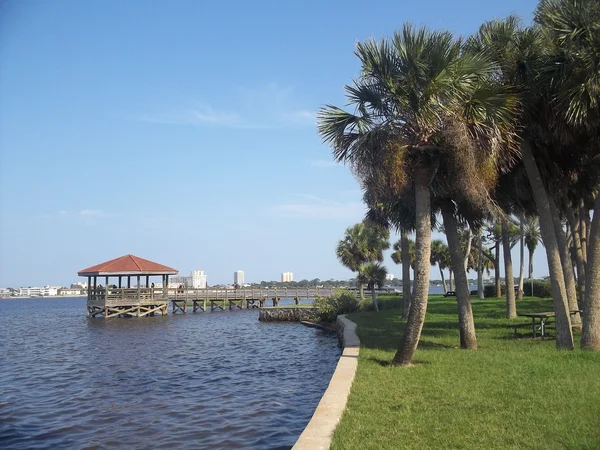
(184, 132)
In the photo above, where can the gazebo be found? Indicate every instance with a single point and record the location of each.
(120, 299)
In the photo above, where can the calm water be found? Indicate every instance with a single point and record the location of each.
(204, 380)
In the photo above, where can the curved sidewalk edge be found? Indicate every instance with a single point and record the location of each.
(318, 433)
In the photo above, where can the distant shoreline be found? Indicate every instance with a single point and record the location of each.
(18, 297)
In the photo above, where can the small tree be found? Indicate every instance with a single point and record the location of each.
(372, 274)
(362, 243)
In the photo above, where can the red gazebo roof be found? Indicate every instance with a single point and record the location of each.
(127, 265)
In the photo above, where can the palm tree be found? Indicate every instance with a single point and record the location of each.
(421, 103)
(532, 237)
(440, 255)
(372, 274)
(362, 243)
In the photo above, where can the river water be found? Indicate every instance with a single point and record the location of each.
(206, 380)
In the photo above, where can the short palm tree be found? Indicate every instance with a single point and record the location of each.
(372, 274)
(362, 243)
(404, 254)
(440, 255)
(532, 237)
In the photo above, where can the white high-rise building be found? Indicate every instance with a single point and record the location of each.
(287, 276)
(238, 277)
(198, 279)
(389, 276)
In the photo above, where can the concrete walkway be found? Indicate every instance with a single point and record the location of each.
(318, 433)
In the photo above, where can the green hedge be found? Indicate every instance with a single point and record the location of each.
(489, 290)
(541, 288)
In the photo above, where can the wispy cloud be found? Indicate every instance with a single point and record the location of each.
(90, 213)
(316, 208)
(204, 114)
(323, 163)
(264, 107)
(83, 214)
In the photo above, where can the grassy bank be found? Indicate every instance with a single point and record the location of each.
(510, 394)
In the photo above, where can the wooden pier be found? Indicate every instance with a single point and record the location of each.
(123, 302)
(222, 299)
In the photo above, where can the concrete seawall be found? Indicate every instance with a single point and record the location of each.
(290, 314)
(318, 433)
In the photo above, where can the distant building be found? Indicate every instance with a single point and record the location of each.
(389, 276)
(176, 281)
(71, 291)
(5, 292)
(46, 291)
(286, 277)
(198, 279)
(79, 285)
(238, 278)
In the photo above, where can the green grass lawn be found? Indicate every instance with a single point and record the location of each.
(509, 394)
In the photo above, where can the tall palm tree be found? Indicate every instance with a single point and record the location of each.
(518, 52)
(372, 274)
(572, 35)
(362, 243)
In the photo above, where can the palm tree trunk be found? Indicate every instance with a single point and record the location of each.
(531, 269)
(522, 266)
(451, 279)
(418, 307)
(590, 336)
(480, 292)
(466, 325)
(443, 279)
(509, 279)
(468, 250)
(497, 271)
(567, 265)
(564, 333)
(361, 290)
(374, 298)
(406, 295)
(570, 213)
(583, 232)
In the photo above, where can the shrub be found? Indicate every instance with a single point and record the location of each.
(340, 302)
(541, 288)
(489, 290)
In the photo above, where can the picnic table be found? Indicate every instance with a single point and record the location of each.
(543, 318)
(539, 318)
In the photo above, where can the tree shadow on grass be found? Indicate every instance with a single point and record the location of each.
(429, 345)
(388, 362)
